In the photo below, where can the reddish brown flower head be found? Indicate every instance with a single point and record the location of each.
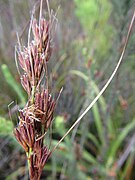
(32, 59)
(36, 117)
(24, 133)
(42, 37)
(26, 84)
(45, 108)
(38, 159)
(32, 64)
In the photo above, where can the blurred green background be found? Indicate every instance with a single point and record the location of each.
(88, 41)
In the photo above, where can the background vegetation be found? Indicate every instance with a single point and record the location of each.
(87, 44)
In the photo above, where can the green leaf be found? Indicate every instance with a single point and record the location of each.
(103, 107)
(59, 125)
(6, 127)
(117, 143)
(80, 74)
(12, 83)
(98, 123)
(87, 156)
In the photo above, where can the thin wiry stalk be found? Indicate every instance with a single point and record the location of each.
(105, 86)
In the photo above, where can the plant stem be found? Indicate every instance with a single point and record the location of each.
(28, 157)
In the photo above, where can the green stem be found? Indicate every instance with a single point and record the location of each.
(28, 157)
